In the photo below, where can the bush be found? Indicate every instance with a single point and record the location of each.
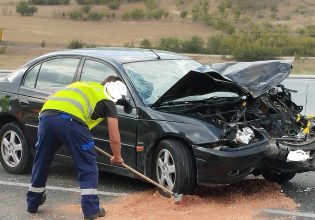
(200, 11)
(170, 44)
(215, 45)
(75, 44)
(252, 52)
(137, 14)
(129, 44)
(90, 45)
(125, 16)
(194, 45)
(274, 8)
(76, 15)
(183, 14)
(24, 9)
(114, 4)
(145, 44)
(225, 26)
(156, 14)
(86, 8)
(95, 16)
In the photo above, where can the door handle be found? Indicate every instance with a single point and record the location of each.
(24, 102)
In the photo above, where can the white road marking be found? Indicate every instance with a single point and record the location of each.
(283, 212)
(27, 185)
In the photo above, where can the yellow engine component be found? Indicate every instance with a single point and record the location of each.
(298, 118)
(306, 130)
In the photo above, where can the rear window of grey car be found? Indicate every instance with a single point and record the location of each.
(94, 71)
(152, 79)
(52, 74)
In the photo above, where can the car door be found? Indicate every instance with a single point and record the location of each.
(39, 81)
(97, 71)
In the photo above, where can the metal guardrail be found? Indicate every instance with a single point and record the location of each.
(302, 76)
(6, 71)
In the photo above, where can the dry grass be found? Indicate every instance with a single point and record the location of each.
(58, 32)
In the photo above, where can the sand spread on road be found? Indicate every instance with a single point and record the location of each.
(239, 201)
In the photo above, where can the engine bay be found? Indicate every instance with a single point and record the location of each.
(239, 116)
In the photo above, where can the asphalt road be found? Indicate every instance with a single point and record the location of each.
(63, 193)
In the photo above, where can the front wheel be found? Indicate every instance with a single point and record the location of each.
(14, 152)
(278, 176)
(174, 166)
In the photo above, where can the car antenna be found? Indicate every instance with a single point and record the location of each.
(155, 54)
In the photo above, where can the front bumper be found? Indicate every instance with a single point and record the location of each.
(276, 158)
(228, 165)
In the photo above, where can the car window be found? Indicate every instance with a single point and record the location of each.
(31, 77)
(94, 71)
(57, 73)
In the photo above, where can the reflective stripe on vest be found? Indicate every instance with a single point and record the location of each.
(72, 101)
(84, 97)
(78, 99)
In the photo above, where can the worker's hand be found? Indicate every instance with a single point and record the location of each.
(116, 160)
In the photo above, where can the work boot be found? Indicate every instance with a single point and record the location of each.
(101, 213)
(34, 210)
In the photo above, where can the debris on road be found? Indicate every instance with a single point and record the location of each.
(243, 200)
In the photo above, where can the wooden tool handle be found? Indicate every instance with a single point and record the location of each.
(136, 172)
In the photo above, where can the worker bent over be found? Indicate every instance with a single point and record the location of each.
(67, 118)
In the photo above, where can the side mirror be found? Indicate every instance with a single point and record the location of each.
(125, 101)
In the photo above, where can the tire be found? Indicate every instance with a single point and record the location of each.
(174, 166)
(14, 152)
(278, 176)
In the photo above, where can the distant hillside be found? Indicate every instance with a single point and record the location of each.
(245, 29)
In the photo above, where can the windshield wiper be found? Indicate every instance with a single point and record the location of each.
(174, 102)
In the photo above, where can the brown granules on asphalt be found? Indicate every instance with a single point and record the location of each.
(239, 201)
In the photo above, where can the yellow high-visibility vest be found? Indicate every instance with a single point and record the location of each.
(78, 99)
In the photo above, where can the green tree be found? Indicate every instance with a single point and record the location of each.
(24, 9)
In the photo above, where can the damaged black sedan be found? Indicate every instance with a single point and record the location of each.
(182, 123)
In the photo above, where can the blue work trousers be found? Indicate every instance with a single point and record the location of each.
(53, 131)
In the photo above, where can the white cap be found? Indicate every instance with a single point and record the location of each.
(115, 89)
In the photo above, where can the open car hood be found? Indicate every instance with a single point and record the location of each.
(254, 78)
(201, 81)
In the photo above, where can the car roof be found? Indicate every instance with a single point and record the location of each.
(121, 55)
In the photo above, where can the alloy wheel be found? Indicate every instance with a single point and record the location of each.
(11, 148)
(165, 169)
